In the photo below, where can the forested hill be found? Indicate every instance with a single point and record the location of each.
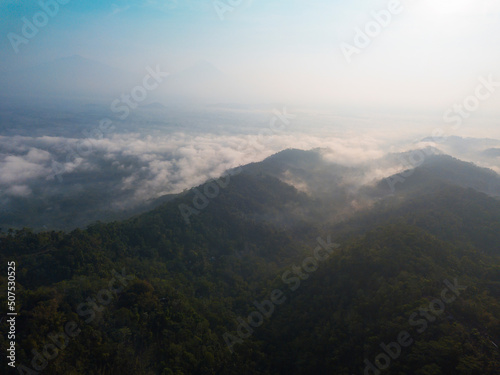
(166, 292)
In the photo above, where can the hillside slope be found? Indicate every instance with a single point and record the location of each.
(159, 294)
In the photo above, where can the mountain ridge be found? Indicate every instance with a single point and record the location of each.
(190, 285)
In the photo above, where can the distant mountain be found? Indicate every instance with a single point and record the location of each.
(492, 152)
(81, 78)
(466, 148)
(73, 76)
(201, 70)
(442, 169)
(72, 65)
(465, 144)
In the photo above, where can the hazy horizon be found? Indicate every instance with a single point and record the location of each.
(425, 56)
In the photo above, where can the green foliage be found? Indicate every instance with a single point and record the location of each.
(192, 283)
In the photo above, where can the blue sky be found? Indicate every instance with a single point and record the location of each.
(430, 54)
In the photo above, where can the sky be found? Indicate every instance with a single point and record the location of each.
(427, 55)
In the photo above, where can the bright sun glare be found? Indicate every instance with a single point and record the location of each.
(457, 6)
(449, 6)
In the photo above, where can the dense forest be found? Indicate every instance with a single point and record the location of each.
(261, 282)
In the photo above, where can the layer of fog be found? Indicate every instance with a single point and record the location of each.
(65, 162)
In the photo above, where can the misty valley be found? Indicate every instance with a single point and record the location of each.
(240, 187)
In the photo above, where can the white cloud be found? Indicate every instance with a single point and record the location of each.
(17, 169)
(153, 166)
(147, 167)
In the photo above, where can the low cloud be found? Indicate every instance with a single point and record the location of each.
(126, 170)
(20, 169)
(154, 166)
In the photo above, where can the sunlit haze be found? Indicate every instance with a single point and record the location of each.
(428, 56)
